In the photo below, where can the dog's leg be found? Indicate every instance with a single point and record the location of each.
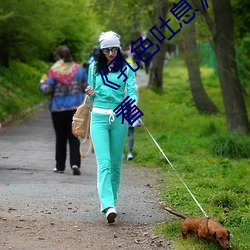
(201, 242)
(184, 235)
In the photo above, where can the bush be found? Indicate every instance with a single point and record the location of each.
(231, 146)
(223, 200)
(19, 87)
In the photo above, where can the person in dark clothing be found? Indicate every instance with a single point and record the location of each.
(65, 83)
(137, 59)
(147, 64)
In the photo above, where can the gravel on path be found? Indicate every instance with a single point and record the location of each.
(40, 209)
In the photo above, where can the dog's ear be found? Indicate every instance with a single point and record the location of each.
(214, 235)
(228, 237)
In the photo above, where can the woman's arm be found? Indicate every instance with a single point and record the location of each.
(90, 91)
(46, 85)
(81, 74)
(131, 86)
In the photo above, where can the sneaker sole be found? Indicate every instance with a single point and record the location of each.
(76, 170)
(58, 171)
(111, 217)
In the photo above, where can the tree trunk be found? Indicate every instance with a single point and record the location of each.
(235, 109)
(156, 71)
(4, 51)
(201, 99)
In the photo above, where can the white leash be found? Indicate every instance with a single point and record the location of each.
(174, 170)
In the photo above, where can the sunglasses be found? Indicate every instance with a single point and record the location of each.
(107, 51)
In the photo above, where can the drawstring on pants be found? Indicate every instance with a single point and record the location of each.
(105, 112)
(111, 117)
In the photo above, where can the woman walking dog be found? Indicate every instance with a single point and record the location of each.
(107, 131)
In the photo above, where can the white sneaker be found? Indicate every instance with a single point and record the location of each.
(111, 214)
(58, 171)
(130, 156)
(76, 170)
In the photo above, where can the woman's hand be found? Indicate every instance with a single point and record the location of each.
(43, 79)
(90, 91)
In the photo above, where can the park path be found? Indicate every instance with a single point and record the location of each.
(40, 209)
(141, 78)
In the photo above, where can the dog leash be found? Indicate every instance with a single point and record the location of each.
(175, 170)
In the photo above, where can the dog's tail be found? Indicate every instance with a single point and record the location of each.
(175, 213)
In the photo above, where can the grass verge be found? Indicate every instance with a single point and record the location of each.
(214, 164)
(19, 89)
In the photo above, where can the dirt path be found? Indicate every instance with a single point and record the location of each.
(43, 210)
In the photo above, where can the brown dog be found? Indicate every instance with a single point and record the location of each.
(204, 228)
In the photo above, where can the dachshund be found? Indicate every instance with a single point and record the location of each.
(204, 229)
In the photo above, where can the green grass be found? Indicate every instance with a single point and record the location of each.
(214, 164)
(19, 87)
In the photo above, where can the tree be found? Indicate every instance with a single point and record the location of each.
(134, 17)
(156, 71)
(127, 18)
(242, 33)
(28, 33)
(241, 17)
(223, 38)
(201, 99)
(23, 33)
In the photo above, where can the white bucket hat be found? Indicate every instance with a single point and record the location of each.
(109, 39)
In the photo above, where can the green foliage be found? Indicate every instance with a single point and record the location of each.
(231, 146)
(28, 33)
(19, 87)
(210, 129)
(241, 17)
(219, 183)
(170, 230)
(243, 60)
(223, 200)
(242, 35)
(124, 16)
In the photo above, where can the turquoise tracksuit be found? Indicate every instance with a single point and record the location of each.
(109, 135)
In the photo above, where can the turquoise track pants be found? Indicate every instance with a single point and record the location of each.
(108, 139)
